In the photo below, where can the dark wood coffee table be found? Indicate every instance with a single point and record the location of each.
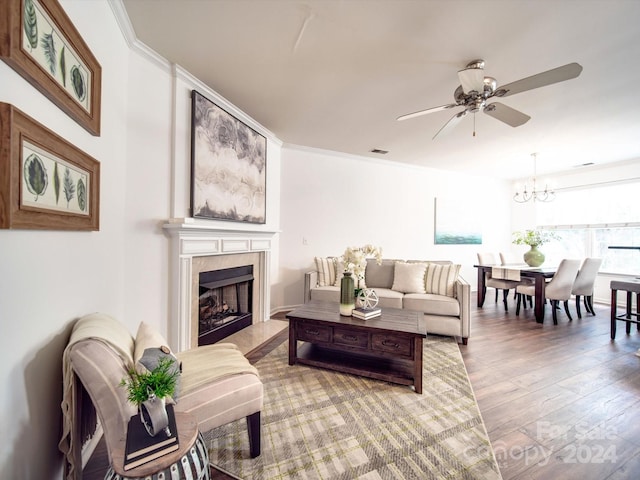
(386, 348)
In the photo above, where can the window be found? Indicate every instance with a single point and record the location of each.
(590, 220)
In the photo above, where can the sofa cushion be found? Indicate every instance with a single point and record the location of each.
(326, 268)
(379, 275)
(409, 277)
(389, 298)
(431, 304)
(440, 279)
(326, 294)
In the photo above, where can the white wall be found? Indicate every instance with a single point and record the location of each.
(50, 278)
(330, 201)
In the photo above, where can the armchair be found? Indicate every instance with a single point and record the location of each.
(217, 385)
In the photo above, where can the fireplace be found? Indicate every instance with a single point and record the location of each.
(197, 247)
(224, 303)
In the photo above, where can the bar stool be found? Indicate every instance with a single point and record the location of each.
(631, 287)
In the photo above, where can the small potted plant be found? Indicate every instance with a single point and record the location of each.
(534, 238)
(148, 391)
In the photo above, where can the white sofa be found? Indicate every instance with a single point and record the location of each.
(445, 314)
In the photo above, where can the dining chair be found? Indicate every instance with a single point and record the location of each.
(497, 283)
(557, 289)
(584, 283)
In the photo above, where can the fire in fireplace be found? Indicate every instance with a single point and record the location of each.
(225, 303)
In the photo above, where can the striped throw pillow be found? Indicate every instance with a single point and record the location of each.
(440, 279)
(326, 268)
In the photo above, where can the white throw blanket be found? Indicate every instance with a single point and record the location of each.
(95, 326)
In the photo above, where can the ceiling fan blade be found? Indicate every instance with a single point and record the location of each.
(425, 112)
(560, 74)
(505, 114)
(471, 79)
(453, 121)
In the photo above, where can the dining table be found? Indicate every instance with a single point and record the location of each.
(538, 274)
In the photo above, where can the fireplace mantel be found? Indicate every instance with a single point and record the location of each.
(190, 241)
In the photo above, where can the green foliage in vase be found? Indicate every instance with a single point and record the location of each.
(533, 238)
(77, 80)
(35, 175)
(160, 381)
(30, 23)
(67, 186)
(63, 67)
(82, 195)
(56, 182)
(49, 51)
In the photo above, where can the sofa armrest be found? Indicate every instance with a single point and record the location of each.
(310, 281)
(463, 294)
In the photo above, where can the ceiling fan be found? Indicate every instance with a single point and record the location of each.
(475, 89)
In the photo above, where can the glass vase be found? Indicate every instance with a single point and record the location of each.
(347, 294)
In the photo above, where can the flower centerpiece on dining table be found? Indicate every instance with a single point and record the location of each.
(354, 260)
(534, 238)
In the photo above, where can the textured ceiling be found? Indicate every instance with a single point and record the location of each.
(335, 75)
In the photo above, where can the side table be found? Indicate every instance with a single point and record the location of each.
(189, 462)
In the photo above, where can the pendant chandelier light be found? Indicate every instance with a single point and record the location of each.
(532, 193)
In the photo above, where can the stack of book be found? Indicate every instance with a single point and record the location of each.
(366, 313)
(142, 447)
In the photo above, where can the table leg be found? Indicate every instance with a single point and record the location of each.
(628, 324)
(417, 364)
(540, 300)
(293, 343)
(482, 289)
(614, 299)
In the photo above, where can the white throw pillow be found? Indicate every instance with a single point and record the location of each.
(326, 268)
(409, 277)
(440, 279)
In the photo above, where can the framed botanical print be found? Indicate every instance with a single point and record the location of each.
(45, 182)
(41, 44)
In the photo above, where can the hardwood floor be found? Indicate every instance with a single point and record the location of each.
(558, 401)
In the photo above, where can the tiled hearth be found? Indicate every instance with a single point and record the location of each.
(198, 248)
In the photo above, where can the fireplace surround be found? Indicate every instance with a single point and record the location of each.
(197, 248)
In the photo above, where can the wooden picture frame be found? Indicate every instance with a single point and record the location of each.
(38, 40)
(45, 182)
(228, 165)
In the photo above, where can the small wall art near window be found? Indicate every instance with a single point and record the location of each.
(41, 44)
(45, 182)
(228, 165)
(456, 223)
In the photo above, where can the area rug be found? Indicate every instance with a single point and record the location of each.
(320, 424)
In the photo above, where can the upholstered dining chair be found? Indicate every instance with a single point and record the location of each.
(556, 290)
(583, 286)
(497, 283)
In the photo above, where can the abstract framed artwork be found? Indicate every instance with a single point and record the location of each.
(41, 44)
(45, 182)
(228, 165)
(456, 223)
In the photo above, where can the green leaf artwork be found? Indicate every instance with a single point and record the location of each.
(77, 80)
(49, 51)
(82, 195)
(68, 186)
(35, 175)
(63, 69)
(30, 23)
(56, 182)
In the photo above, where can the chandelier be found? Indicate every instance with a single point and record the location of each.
(532, 193)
